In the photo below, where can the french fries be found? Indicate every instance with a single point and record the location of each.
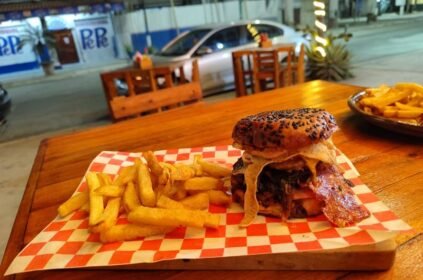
(403, 102)
(156, 197)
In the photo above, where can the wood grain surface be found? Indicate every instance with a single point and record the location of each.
(390, 164)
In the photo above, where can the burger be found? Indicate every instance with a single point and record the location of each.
(288, 168)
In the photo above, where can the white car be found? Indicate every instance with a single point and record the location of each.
(212, 45)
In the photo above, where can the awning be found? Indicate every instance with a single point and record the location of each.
(47, 8)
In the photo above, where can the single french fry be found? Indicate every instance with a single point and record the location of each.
(180, 192)
(390, 98)
(197, 201)
(165, 176)
(172, 217)
(110, 215)
(104, 179)
(219, 198)
(408, 107)
(130, 198)
(110, 191)
(73, 203)
(214, 169)
(409, 86)
(202, 184)
(145, 188)
(168, 203)
(127, 174)
(96, 200)
(85, 207)
(211, 220)
(153, 163)
(408, 114)
(196, 165)
(182, 172)
(131, 232)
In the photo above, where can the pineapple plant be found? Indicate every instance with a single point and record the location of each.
(336, 65)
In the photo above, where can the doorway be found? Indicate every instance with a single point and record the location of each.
(65, 46)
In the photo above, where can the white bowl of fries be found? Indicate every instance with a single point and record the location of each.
(398, 108)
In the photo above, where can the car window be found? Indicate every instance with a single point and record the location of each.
(272, 31)
(182, 45)
(224, 39)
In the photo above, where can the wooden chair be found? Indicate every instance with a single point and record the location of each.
(242, 62)
(299, 66)
(144, 96)
(267, 69)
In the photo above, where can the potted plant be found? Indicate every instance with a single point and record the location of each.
(42, 42)
(335, 65)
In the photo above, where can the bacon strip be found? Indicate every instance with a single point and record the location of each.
(340, 208)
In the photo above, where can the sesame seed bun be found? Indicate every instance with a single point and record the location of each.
(283, 130)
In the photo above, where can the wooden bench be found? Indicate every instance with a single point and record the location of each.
(145, 95)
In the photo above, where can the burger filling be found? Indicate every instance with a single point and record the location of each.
(283, 189)
(304, 184)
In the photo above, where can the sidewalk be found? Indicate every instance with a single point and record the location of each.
(71, 70)
(355, 25)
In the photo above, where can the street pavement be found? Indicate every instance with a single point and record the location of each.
(382, 53)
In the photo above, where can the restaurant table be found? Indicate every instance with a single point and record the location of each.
(390, 164)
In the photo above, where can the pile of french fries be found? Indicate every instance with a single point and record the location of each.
(156, 196)
(403, 101)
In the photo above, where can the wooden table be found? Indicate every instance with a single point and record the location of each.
(390, 164)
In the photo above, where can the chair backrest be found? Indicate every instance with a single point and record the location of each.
(266, 61)
(137, 81)
(122, 106)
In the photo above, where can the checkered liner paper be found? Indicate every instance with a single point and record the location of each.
(66, 243)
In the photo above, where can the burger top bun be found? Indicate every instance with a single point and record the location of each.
(283, 130)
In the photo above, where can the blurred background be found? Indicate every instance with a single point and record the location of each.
(52, 54)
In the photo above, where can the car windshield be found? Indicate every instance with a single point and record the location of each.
(183, 44)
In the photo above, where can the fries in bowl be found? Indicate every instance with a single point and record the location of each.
(403, 102)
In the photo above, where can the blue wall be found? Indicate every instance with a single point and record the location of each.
(158, 38)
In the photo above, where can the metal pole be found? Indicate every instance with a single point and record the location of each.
(246, 9)
(241, 14)
(217, 11)
(172, 5)
(147, 30)
(203, 2)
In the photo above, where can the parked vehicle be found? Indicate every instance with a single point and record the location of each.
(5, 104)
(212, 45)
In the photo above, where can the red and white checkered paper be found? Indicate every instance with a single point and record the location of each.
(66, 243)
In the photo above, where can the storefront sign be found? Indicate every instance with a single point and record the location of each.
(96, 38)
(11, 58)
